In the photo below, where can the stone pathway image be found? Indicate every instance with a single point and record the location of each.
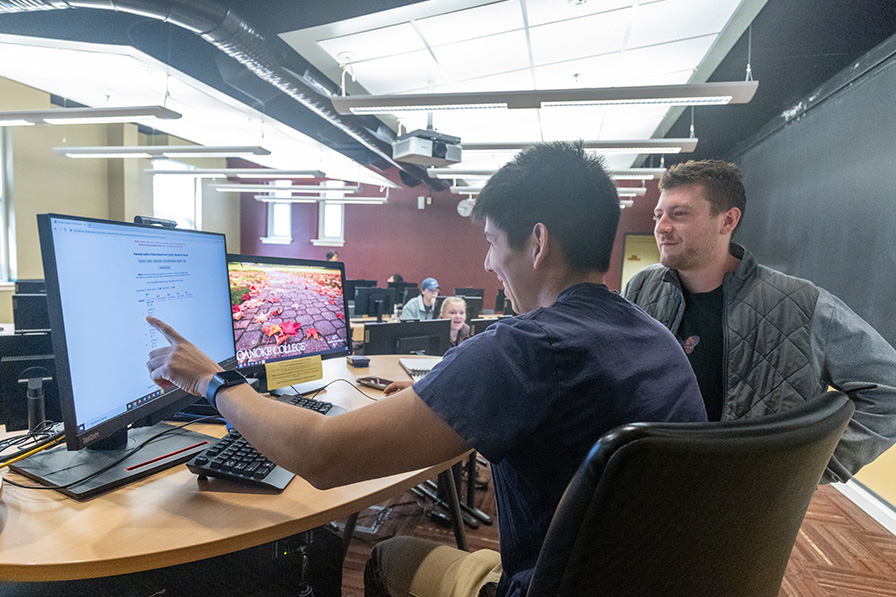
(285, 312)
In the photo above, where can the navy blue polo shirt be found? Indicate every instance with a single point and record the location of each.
(533, 393)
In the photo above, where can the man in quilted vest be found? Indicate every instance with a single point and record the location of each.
(758, 340)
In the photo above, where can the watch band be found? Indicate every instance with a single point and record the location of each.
(222, 379)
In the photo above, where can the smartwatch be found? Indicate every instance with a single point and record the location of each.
(222, 379)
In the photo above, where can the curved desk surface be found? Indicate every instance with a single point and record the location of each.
(172, 518)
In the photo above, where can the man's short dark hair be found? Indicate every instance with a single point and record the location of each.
(331, 254)
(721, 180)
(564, 188)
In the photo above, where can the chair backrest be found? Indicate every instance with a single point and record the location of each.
(690, 509)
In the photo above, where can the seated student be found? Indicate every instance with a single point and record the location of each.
(332, 256)
(422, 306)
(532, 394)
(455, 309)
(395, 278)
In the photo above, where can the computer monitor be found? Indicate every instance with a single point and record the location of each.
(474, 306)
(477, 326)
(374, 302)
(286, 309)
(405, 291)
(480, 292)
(351, 285)
(22, 358)
(103, 278)
(430, 337)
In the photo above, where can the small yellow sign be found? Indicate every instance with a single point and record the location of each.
(286, 373)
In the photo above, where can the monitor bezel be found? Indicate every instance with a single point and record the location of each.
(170, 401)
(392, 330)
(258, 370)
(391, 293)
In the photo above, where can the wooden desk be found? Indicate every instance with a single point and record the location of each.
(172, 518)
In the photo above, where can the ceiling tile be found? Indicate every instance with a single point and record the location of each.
(467, 24)
(662, 59)
(510, 81)
(483, 56)
(588, 36)
(540, 12)
(375, 43)
(398, 74)
(679, 19)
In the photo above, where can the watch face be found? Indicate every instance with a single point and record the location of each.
(231, 376)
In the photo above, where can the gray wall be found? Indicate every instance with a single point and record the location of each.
(821, 192)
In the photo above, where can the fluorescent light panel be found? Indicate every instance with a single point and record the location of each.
(248, 188)
(631, 191)
(619, 174)
(240, 173)
(346, 200)
(631, 146)
(87, 115)
(157, 151)
(692, 94)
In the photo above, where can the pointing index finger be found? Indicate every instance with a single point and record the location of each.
(170, 334)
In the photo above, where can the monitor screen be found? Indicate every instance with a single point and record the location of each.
(375, 302)
(351, 285)
(285, 309)
(480, 292)
(103, 278)
(431, 337)
(404, 291)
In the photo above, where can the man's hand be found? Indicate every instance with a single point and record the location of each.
(181, 364)
(397, 386)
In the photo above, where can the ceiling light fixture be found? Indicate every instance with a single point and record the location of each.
(636, 173)
(634, 146)
(619, 174)
(346, 200)
(631, 191)
(87, 115)
(162, 151)
(240, 173)
(248, 188)
(691, 94)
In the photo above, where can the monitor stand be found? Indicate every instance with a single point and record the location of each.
(61, 467)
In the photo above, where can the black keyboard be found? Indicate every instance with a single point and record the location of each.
(232, 457)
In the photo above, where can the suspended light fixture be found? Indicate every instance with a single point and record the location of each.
(162, 151)
(240, 173)
(691, 94)
(87, 115)
(619, 146)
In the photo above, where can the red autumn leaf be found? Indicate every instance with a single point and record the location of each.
(262, 317)
(276, 312)
(282, 338)
(340, 316)
(274, 299)
(270, 330)
(245, 297)
(290, 328)
(235, 309)
(312, 332)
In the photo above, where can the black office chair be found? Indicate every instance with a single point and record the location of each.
(690, 509)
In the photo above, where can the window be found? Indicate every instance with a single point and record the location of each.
(279, 217)
(7, 238)
(331, 218)
(175, 196)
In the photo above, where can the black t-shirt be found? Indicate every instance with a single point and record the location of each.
(700, 334)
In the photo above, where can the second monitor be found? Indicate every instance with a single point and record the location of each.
(430, 337)
(374, 302)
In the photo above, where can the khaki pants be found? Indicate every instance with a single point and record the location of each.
(411, 567)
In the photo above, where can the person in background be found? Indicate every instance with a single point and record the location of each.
(760, 341)
(398, 278)
(455, 309)
(423, 306)
(332, 256)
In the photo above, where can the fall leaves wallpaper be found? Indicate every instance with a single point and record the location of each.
(285, 312)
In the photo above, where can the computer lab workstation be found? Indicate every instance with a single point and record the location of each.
(105, 482)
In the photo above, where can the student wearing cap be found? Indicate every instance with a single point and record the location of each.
(423, 306)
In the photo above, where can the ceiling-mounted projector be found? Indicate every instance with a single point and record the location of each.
(427, 148)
